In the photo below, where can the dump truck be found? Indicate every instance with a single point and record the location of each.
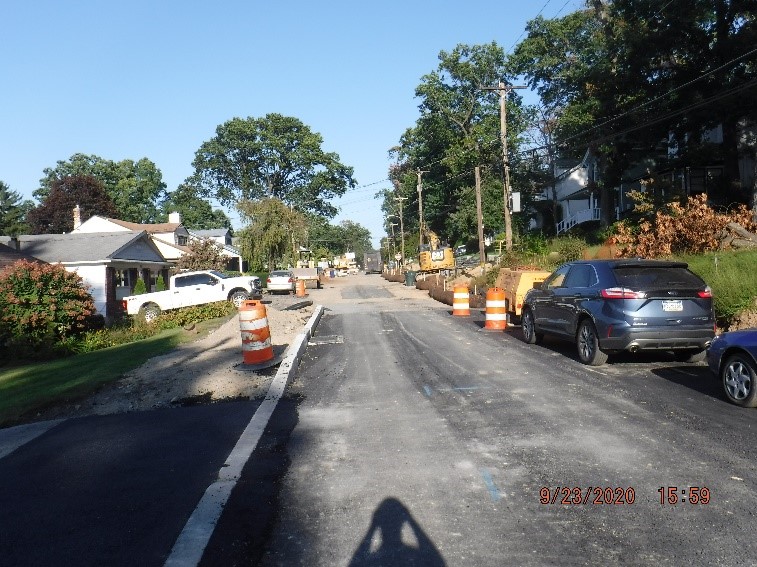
(372, 263)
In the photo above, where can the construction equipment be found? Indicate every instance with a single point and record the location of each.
(516, 283)
(435, 256)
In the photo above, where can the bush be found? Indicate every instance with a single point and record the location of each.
(139, 287)
(731, 277)
(693, 228)
(160, 283)
(41, 304)
(569, 248)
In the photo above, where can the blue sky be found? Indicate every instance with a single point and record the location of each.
(154, 79)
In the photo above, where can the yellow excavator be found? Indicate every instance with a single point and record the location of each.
(433, 256)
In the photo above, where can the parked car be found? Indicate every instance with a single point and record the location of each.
(280, 280)
(732, 356)
(609, 306)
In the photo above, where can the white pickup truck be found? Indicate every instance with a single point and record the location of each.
(193, 288)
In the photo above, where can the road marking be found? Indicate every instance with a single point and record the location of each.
(490, 486)
(193, 539)
(427, 390)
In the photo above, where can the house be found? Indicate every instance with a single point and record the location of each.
(577, 199)
(171, 238)
(110, 263)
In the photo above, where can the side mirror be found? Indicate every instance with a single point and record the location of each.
(212, 281)
(537, 285)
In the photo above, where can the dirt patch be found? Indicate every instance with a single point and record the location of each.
(204, 371)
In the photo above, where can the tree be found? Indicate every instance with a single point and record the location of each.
(353, 237)
(458, 129)
(273, 232)
(271, 157)
(12, 211)
(55, 214)
(204, 254)
(136, 188)
(196, 212)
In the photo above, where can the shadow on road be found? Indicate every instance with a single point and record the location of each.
(395, 538)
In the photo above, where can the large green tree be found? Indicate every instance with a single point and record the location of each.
(136, 187)
(55, 214)
(196, 213)
(13, 211)
(458, 129)
(640, 82)
(271, 157)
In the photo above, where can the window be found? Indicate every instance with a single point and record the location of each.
(581, 275)
(556, 279)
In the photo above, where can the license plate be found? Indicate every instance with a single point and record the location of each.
(674, 305)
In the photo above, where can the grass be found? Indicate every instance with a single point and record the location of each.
(27, 389)
(732, 277)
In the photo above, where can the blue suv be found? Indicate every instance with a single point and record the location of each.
(609, 306)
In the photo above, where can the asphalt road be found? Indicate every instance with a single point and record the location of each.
(421, 439)
(409, 437)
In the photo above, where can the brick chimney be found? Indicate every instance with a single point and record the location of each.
(174, 217)
(77, 217)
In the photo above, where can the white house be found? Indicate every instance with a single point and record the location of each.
(109, 262)
(171, 238)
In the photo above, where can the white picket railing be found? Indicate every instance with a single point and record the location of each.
(580, 217)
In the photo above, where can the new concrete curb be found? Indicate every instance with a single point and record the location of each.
(191, 543)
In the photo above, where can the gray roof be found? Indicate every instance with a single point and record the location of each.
(88, 247)
(210, 232)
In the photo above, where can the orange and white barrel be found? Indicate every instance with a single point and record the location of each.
(461, 301)
(496, 310)
(300, 288)
(256, 336)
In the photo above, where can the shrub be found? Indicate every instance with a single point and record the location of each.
(160, 283)
(139, 287)
(692, 228)
(40, 304)
(569, 248)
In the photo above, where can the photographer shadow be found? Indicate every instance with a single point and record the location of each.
(395, 538)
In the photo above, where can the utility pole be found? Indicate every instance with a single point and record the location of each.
(503, 89)
(480, 217)
(402, 231)
(420, 205)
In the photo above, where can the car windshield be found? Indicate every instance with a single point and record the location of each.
(656, 277)
(219, 274)
(280, 274)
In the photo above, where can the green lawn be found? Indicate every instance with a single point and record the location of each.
(28, 388)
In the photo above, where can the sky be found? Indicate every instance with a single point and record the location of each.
(154, 79)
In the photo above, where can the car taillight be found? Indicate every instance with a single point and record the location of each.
(268, 280)
(705, 293)
(291, 280)
(123, 304)
(622, 293)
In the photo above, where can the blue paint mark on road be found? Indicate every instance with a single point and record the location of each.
(427, 390)
(490, 486)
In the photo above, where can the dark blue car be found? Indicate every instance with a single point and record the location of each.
(732, 356)
(609, 306)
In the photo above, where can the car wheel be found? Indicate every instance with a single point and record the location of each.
(149, 312)
(587, 342)
(738, 376)
(529, 328)
(689, 355)
(238, 297)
